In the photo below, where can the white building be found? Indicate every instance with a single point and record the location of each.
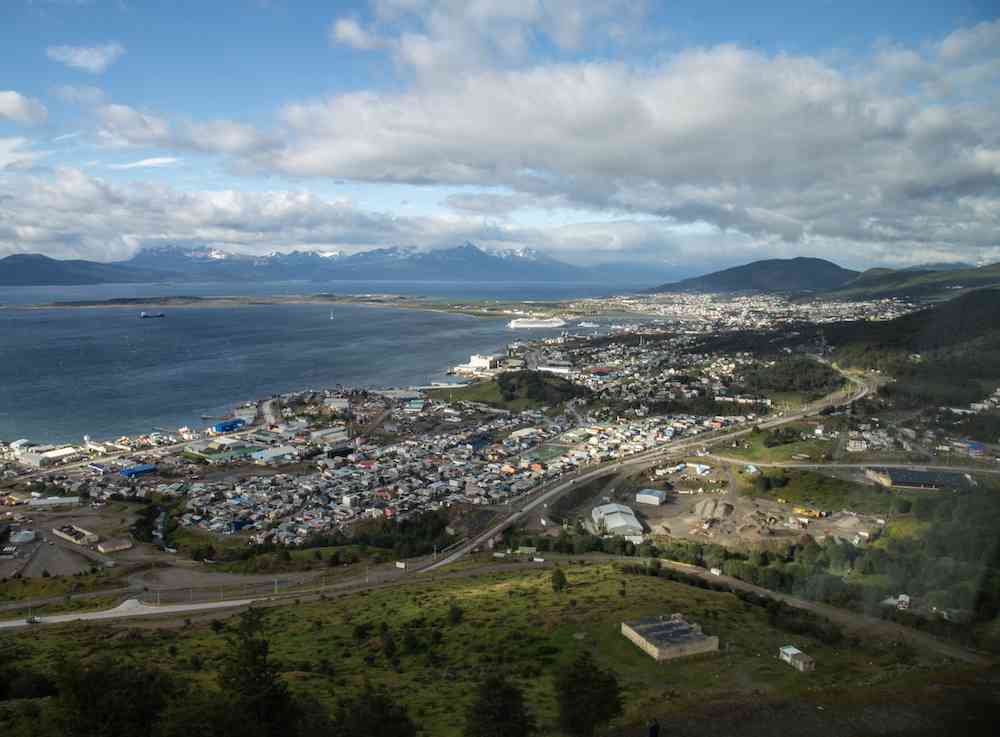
(617, 519)
(656, 497)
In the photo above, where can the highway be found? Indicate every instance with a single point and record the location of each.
(128, 608)
(640, 460)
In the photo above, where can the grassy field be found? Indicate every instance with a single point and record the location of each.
(511, 621)
(757, 451)
(825, 493)
(902, 527)
(15, 589)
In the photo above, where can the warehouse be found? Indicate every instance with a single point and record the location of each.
(140, 469)
(916, 479)
(666, 638)
(617, 519)
(228, 426)
(656, 497)
(50, 457)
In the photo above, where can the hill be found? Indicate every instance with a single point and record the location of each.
(32, 269)
(771, 275)
(515, 391)
(882, 283)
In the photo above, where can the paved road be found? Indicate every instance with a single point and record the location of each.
(129, 608)
(639, 460)
(869, 464)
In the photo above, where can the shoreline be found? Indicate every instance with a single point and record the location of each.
(472, 308)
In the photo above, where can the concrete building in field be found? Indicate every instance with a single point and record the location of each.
(656, 497)
(666, 638)
(76, 535)
(796, 658)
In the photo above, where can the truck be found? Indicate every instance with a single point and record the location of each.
(401, 564)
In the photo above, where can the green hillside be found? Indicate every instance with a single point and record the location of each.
(770, 275)
(515, 391)
(880, 283)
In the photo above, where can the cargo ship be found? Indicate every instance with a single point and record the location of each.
(536, 322)
(150, 315)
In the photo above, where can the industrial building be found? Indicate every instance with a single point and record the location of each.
(796, 658)
(914, 479)
(616, 519)
(666, 638)
(228, 425)
(141, 469)
(76, 535)
(656, 497)
(50, 457)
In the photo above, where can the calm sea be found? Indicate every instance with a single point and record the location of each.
(69, 372)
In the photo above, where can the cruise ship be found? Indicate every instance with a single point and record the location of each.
(536, 322)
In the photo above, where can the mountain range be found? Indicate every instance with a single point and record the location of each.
(465, 263)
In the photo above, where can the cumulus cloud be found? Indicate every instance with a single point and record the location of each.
(25, 110)
(150, 163)
(68, 213)
(772, 146)
(444, 38)
(93, 59)
(121, 125)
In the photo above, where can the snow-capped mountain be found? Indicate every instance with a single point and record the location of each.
(467, 262)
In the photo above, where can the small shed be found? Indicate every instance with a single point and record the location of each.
(796, 658)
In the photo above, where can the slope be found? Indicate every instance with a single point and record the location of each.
(769, 275)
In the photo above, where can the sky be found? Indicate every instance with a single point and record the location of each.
(691, 135)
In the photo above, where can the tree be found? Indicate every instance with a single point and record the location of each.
(455, 614)
(372, 714)
(498, 711)
(559, 581)
(251, 682)
(587, 696)
(108, 699)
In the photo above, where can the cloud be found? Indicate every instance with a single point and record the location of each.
(439, 39)
(93, 59)
(16, 154)
(15, 106)
(121, 125)
(347, 31)
(80, 94)
(150, 163)
(68, 213)
(778, 146)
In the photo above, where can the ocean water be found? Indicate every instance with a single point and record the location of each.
(431, 289)
(67, 372)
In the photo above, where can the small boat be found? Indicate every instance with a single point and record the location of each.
(150, 315)
(331, 314)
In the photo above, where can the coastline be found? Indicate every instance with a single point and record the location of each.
(497, 310)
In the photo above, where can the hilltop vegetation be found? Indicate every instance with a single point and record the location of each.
(947, 354)
(516, 391)
(770, 275)
(797, 373)
(879, 283)
(418, 653)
